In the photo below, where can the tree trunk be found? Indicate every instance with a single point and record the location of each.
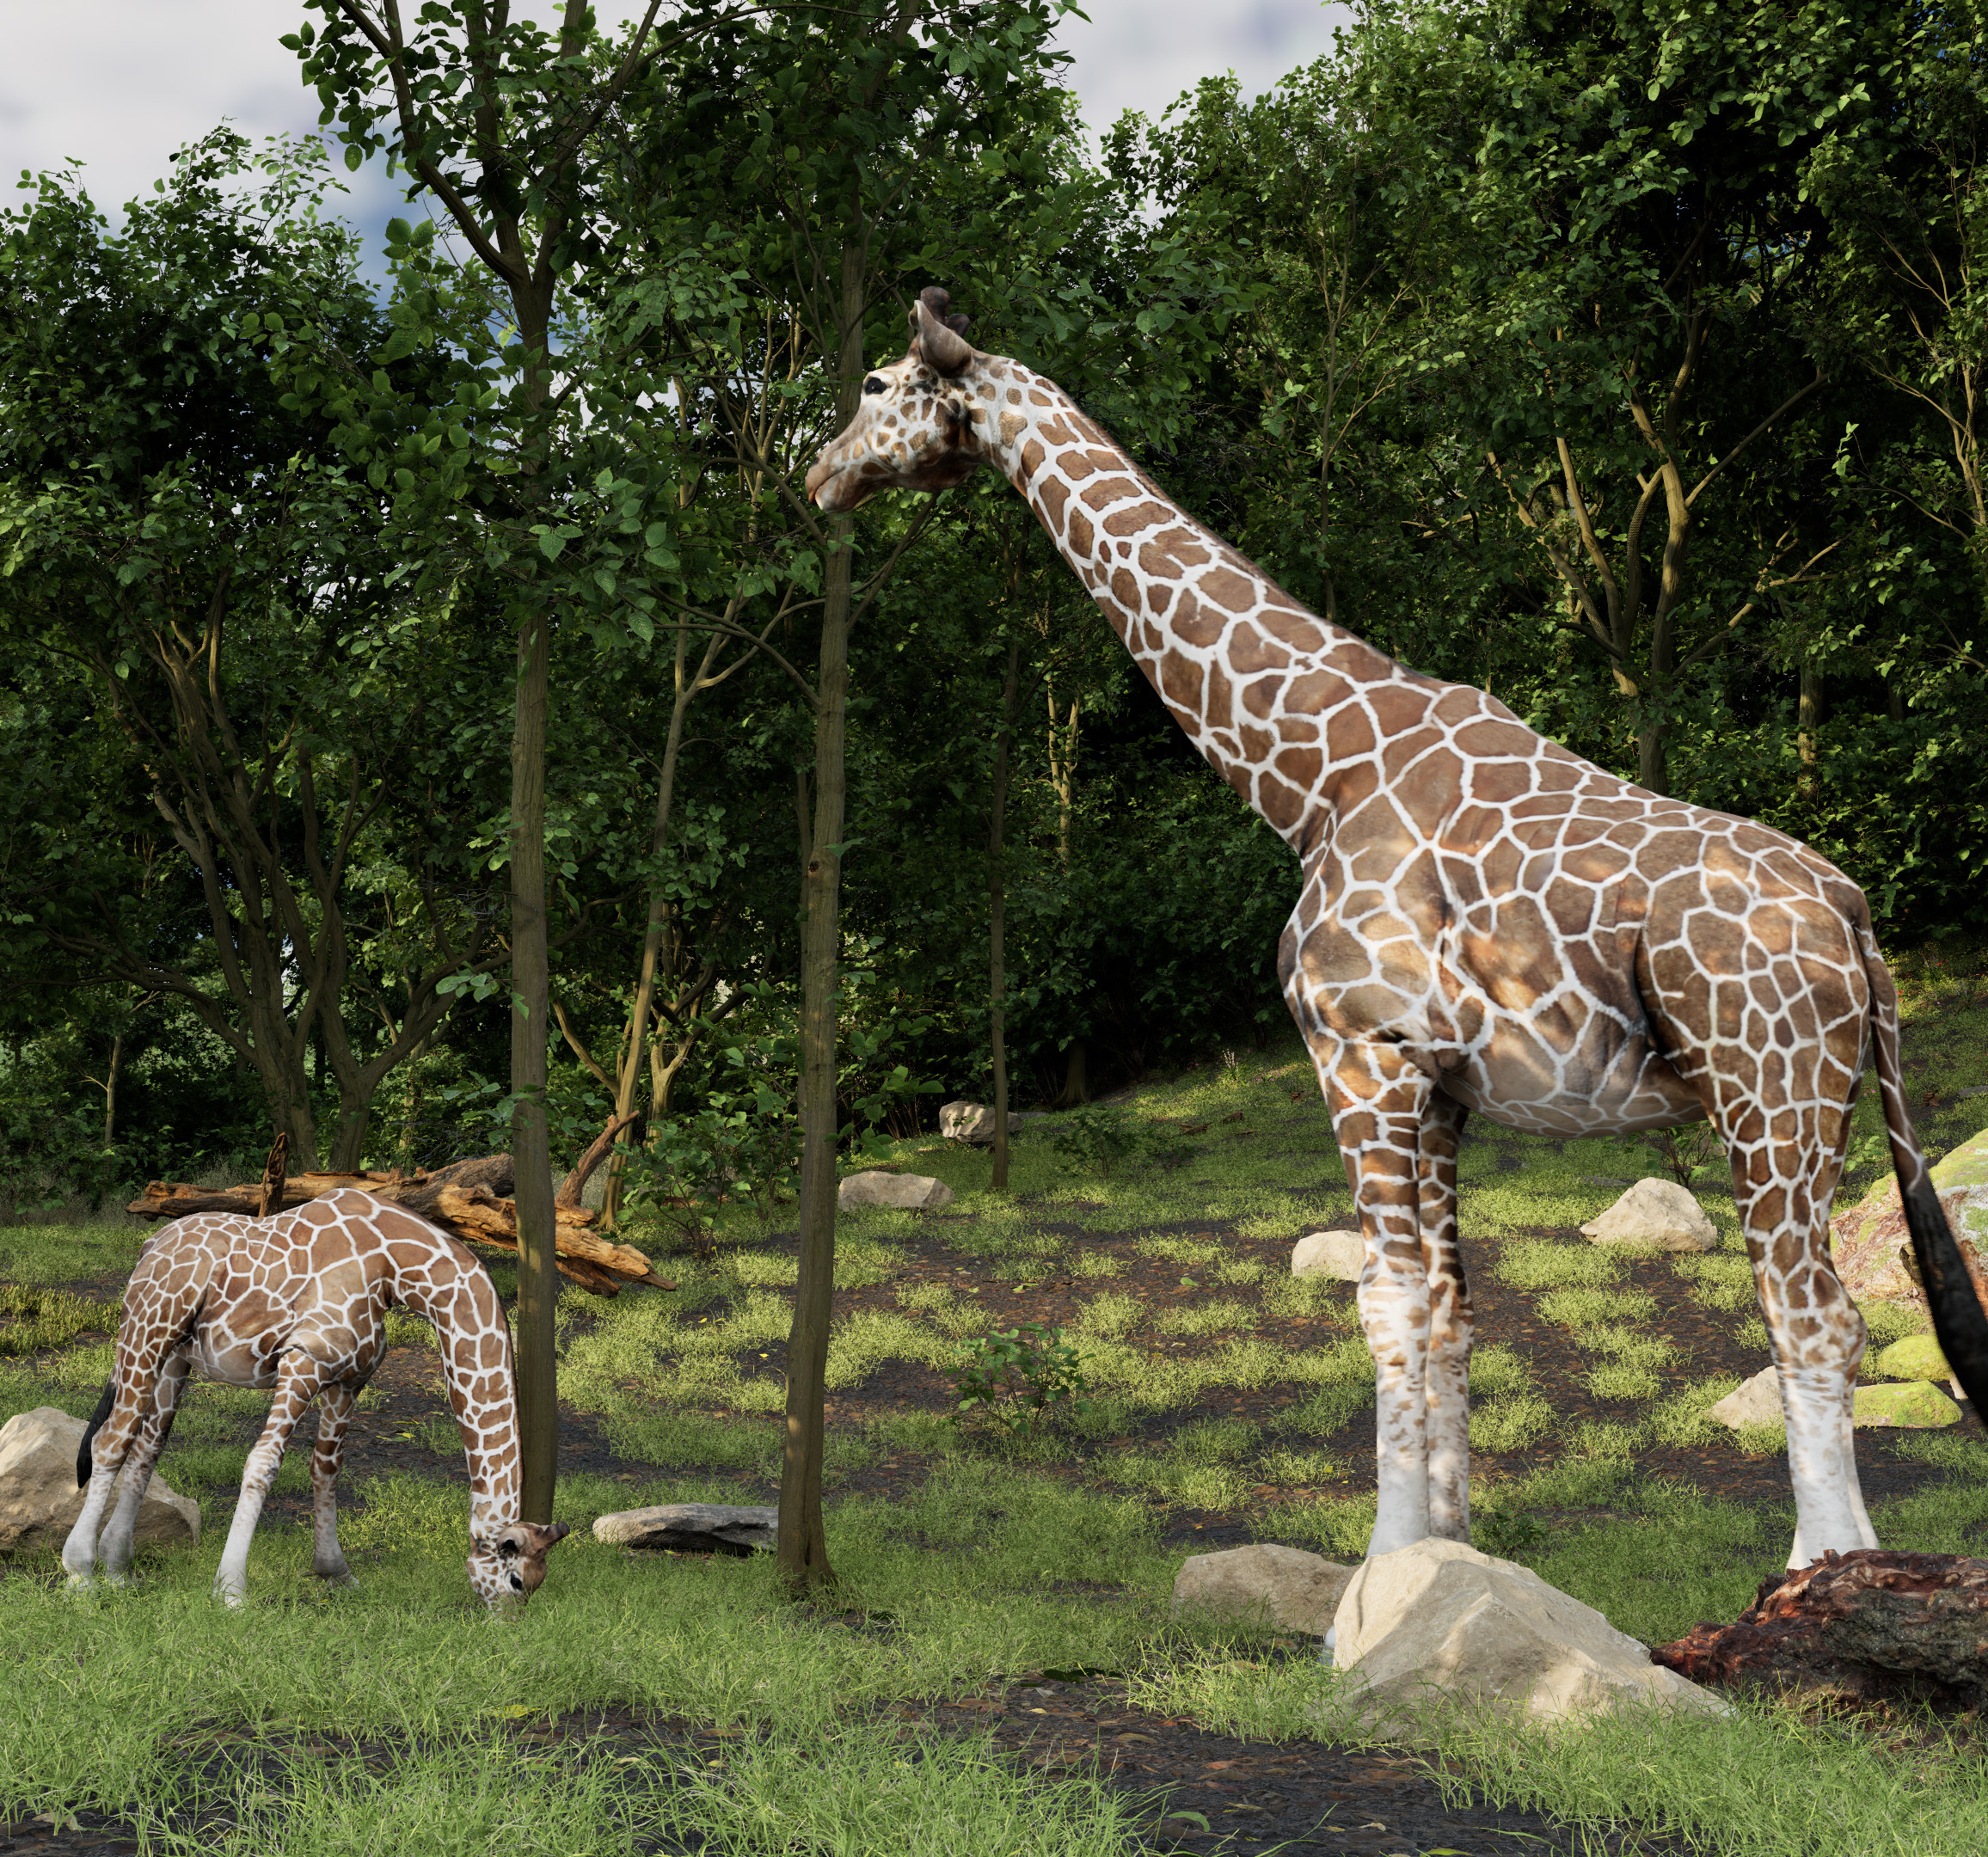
(110, 1089)
(531, 1142)
(1808, 717)
(803, 1558)
(996, 912)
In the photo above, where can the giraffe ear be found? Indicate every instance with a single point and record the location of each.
(941, 339)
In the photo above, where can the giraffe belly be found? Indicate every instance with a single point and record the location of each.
(1556, 1071)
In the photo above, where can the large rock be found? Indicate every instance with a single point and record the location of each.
(1264, 1585)
(1753, 1402)
(1872, 1250)
(1657, 1212)
(1912, 1404)
(1869, 1627)
(906, 1192)
(1917, 1358)
(973, 1123)
(692, 1528)
(1757, 1402)
(40, 1501)
(1329, 1253)
(1440, 1618)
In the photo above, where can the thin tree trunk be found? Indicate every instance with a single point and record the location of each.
(530, 1141)
(996, 913)
(803, 1557)
(1808, 716)
(657, 927)
(110, 1089)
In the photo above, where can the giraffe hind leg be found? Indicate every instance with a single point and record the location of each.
(1782, 1190)
(115, 1547)
(1447, 1382)
(147, 1335)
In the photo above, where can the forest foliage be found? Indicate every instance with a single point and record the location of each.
(1626, 363)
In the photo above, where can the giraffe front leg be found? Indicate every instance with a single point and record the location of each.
(1447, 1388)
(333, 1412)
(115, 1547)
(1378, 1101)
(297, 1383)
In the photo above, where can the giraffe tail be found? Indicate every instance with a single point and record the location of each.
(1960, 1323)
(83, 1466)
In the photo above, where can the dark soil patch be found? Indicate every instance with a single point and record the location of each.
(1196, 1792)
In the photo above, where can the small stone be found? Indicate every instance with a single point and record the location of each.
(1438, 1616)
(973, 1123)
(692, 1528)
(1657, 1212)
(1754, 1402)
(1917, 1358)
(1329, 1253)
(906, 1192)
(40, 1501)
(1263, 1584)
(1914, 1405)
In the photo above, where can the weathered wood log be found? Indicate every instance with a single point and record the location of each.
(468, 1199)
(569, 1188)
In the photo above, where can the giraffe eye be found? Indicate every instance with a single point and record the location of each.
(875, 383)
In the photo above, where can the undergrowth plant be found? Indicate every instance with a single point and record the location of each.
(1017, 1377)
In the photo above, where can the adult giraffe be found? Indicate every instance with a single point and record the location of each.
(298, 1303)
(1487, 922)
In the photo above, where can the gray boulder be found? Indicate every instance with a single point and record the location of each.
(906, 1192)
(40, 1501)
(1263, 1584)
(1329, 1253)
(692, 1528)
(1753, 1402)
(973, 1123)
(1657, 1212)
(1440, 1619)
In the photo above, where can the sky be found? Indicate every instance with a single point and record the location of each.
(119, 85)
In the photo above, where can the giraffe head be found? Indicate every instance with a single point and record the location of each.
(508, 1567)
(916, 427)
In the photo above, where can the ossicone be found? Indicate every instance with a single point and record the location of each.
(940, 337)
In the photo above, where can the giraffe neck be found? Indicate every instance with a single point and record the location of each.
(475, 1347)
(1258, 681)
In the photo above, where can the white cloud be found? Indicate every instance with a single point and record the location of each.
(119, 85)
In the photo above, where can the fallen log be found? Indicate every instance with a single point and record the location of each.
(468, 1199)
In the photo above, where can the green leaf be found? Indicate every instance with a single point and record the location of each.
(550, 542)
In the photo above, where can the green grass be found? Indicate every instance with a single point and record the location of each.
(38, 1320)
(996, 1556)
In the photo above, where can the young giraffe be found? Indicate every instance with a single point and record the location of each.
(1487, 922)
(298, 1303)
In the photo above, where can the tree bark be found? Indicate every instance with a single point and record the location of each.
(530, 1141)
(803, 1552)
(1808, 717)
(996, 914)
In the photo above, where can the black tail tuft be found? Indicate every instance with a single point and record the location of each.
(1958, 1321)
(96, 1418)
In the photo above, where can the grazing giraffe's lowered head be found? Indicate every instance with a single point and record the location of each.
(1487, 924)
(298, 1303)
